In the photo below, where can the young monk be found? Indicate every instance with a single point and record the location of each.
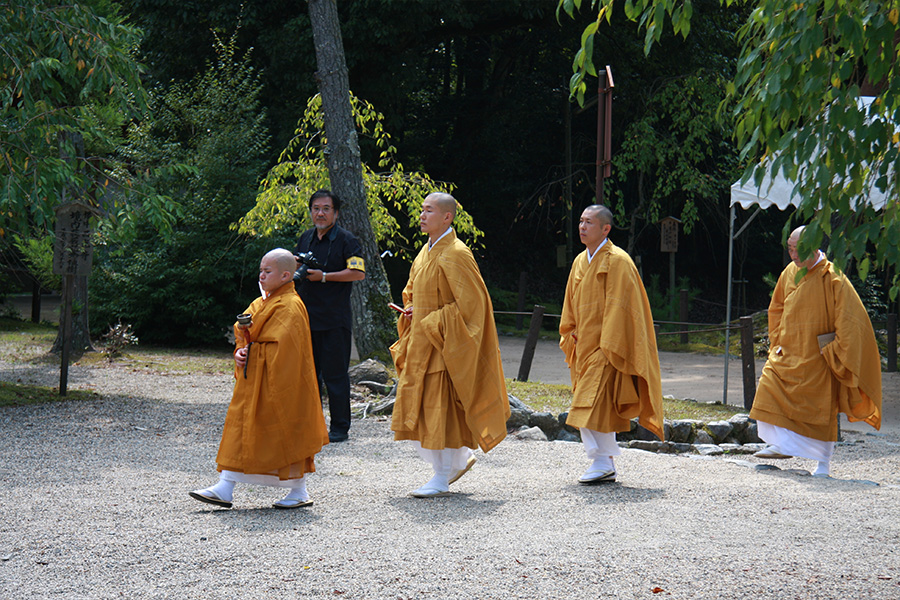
(274, 426)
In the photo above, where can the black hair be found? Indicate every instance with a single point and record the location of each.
(335, 201)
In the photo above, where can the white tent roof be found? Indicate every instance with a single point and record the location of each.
(780, 192)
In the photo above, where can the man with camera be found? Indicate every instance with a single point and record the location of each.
(329, 260)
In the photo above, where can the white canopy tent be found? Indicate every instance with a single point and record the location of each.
(778, 192)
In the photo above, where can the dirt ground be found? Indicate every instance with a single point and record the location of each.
(684, 375)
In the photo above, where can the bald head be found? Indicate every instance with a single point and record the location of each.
(276, 269)
(792, 242)
(600, 212)
(438, 212)
(444, 202)
(282, 259)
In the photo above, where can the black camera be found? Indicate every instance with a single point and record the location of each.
(307, 261)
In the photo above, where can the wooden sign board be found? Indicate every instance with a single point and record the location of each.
(668, 238)
(72, 249)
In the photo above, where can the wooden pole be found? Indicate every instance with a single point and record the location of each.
(892, 343)
(747, 361)
(534, 332)
(67, 333)
(683, 313)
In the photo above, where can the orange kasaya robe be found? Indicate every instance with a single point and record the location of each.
(451, 391)
(606, 333)
(275, 424)
(803, 389)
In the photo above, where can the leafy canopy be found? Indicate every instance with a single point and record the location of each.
(68, 83)
(281, 204)
(795, 101)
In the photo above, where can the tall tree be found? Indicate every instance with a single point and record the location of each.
(68, 85)
(795, 99)
(184, 288)
(372, 322)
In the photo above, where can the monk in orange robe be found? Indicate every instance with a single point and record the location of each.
(606, 333)
(274, 426)
(451, 394)
(823, 360)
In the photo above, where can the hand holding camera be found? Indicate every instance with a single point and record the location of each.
(306, 261)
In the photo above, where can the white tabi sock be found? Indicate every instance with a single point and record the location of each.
(299, 492)
(224, 490)
(823, 469)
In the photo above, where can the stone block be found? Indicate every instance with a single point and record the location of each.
(517, 419)
(531, 434)
(719, 430)
(708, 449)
(547, 422)
(682, 431)
(369, 370)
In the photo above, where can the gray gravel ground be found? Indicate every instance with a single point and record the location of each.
(94, 504)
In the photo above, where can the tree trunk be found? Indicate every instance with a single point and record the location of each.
(373, 322)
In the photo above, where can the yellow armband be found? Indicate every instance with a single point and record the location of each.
(356, 263)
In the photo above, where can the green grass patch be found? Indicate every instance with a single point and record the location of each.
(14, 329)
(166, 360)
(556, 399)
(14, 394)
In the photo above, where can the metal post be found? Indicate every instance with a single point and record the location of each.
(728, 303)
(748, 366)
(534, 332)
(683, 313)
(892, 343)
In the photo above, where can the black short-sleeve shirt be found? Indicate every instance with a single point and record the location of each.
(328, 304)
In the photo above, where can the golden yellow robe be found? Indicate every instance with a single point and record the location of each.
(606, 333)
(451, 391)
(803, 389)
(275, 424)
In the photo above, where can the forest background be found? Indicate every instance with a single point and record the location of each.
(473, 93)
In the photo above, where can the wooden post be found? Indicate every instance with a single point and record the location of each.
(520, 305)
(67, 334)
(534, 332)
(747, 361)
(683, 313)
(35, 301)
(892, 343)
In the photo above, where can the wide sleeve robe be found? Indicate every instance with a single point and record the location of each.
(274, 424)
(803, 388)
(451, 391)
(606, 333)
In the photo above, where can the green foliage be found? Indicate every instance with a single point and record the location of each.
(186, 287)
(799, 77)
(281, 205)
(873, 296)
(68, 83)
(665, 304)
(117, 339)
(677, 154)
(38, 255)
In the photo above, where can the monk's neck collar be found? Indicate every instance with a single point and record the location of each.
(591, 255)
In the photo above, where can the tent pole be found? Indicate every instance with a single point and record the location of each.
(728, 302)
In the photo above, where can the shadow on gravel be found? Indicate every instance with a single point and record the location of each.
(262, 519)
(614, 493)
(455, 508)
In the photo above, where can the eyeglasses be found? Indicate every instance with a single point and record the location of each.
(321, 209)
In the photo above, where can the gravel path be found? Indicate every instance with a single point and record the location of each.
(94, 504)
